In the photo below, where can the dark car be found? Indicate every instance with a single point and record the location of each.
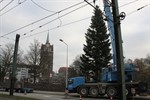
(23, 90)
(148, 91)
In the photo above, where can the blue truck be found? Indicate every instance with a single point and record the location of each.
(108, 85)
(109, 77)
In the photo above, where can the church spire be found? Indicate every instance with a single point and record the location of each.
(47, 41)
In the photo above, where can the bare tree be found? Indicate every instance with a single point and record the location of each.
(76, 65)
(147, 60)
(6, 60)
(144, 68)
(32, 58)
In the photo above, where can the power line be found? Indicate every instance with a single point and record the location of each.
(71, 23)
(34, 34)
(8, 38)
(59, 20)
(19, 3)
(42, 19)
(7, 5)
(128, 3)
(41, 6)
(57, 27)
(74, 22)
(96, 8)
(62, 16)
(138, 9)
(1, 1)
(55, 19)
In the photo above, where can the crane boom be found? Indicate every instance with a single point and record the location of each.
(109, 19)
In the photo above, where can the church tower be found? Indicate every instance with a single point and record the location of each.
(46, 62)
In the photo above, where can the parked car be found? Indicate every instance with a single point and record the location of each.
(2, 88)
(148, 91)
(22, 90)
(8, 89)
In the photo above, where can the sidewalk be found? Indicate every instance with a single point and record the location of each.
(49, 92)
(53, 93)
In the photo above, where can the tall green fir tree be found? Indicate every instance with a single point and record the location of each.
(97, 48)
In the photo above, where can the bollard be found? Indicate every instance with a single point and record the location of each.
(111, 98)
(80, 97)
(66, 94)
(25, 92)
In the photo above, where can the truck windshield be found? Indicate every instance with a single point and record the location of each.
(70, 81)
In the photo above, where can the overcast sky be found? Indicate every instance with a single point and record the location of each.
(33, 19)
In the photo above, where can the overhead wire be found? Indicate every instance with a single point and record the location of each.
(96, 8)
(34, 34)
(55, 19)
(41, 6)
(79, 21)
(41, 19)
(64, 15)
(1, 1)
(128, 3)
(57, 27)
(6, 5)
(120, 6)
(8, 38)
(138, 9)
(59, 21)
(18, 4)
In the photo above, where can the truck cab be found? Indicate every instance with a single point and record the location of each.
(74, 82)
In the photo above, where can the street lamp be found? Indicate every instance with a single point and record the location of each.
(66, 92)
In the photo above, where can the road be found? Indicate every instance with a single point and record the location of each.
(44, 95)
(52, 96)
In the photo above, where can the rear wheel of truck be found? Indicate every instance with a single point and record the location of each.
(111, 91)
(93, 91)
(127, 91)
(131, 92)
(83, 91)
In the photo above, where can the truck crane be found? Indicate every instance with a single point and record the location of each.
(109, 80)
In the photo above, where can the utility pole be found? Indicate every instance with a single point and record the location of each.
(13, 74)
(119, 50)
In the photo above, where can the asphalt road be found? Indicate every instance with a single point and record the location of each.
(45, 95)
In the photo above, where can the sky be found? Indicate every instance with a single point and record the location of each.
(34, 19)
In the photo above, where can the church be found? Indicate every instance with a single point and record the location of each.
(46, 61)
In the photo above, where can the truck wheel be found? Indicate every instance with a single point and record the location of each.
(93, 91)
(127, 92)
(83, 91)
(133, 91)
(111, 91)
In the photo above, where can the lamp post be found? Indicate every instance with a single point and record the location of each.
(66, 90)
